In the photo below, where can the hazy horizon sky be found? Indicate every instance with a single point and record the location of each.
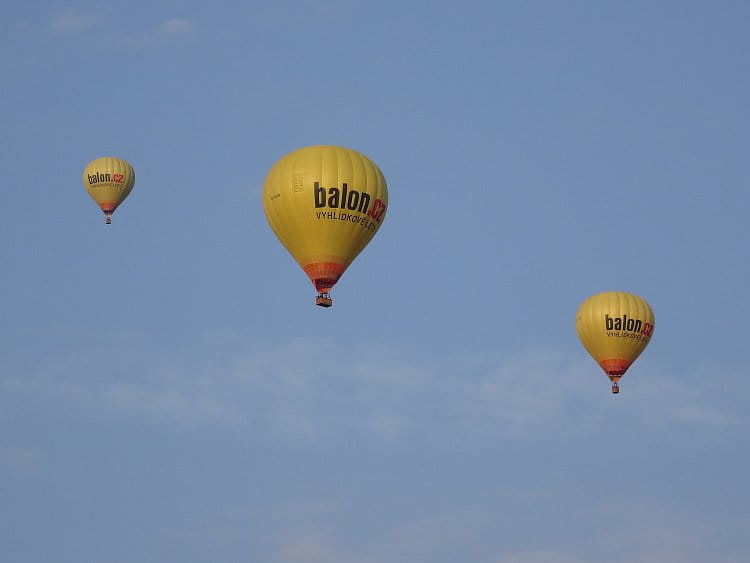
(168, 390)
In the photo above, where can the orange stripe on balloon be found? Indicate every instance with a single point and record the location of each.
(324, 275)
(615, 366)
(108, 206)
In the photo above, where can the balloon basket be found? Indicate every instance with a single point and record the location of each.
(615, 389)
(323, 300)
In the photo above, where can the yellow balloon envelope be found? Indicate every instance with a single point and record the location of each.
(108, 180)
(325, 203)
(615, 327)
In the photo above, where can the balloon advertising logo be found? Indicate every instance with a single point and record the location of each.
(348, 199)
(624, 323)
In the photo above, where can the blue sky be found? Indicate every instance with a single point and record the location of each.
(168, 390)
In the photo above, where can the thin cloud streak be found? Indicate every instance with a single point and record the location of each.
(635, 530)
(19, 459)
(292, 389)
(74, 22)
(310, 549)
(175, 26)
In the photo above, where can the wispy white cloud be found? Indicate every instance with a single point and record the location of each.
(306, 388)
(542, 556)
(634, 530)
(310, 548)
(19, 459)
(152, 35)
(74, 22)
(175, 26)
(310, 391)
(652, 531)
(528, 390)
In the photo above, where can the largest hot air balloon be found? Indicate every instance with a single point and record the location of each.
(108, 180)
(325, 203)
(615, 327)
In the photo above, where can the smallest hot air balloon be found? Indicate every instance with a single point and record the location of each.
(108, 180)
(615, 327)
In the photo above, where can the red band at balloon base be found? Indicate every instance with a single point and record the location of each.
(324, 275)
(615, 366)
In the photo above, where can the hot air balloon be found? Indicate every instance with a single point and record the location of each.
(615, 327)
(325, 203)
(108, 180)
